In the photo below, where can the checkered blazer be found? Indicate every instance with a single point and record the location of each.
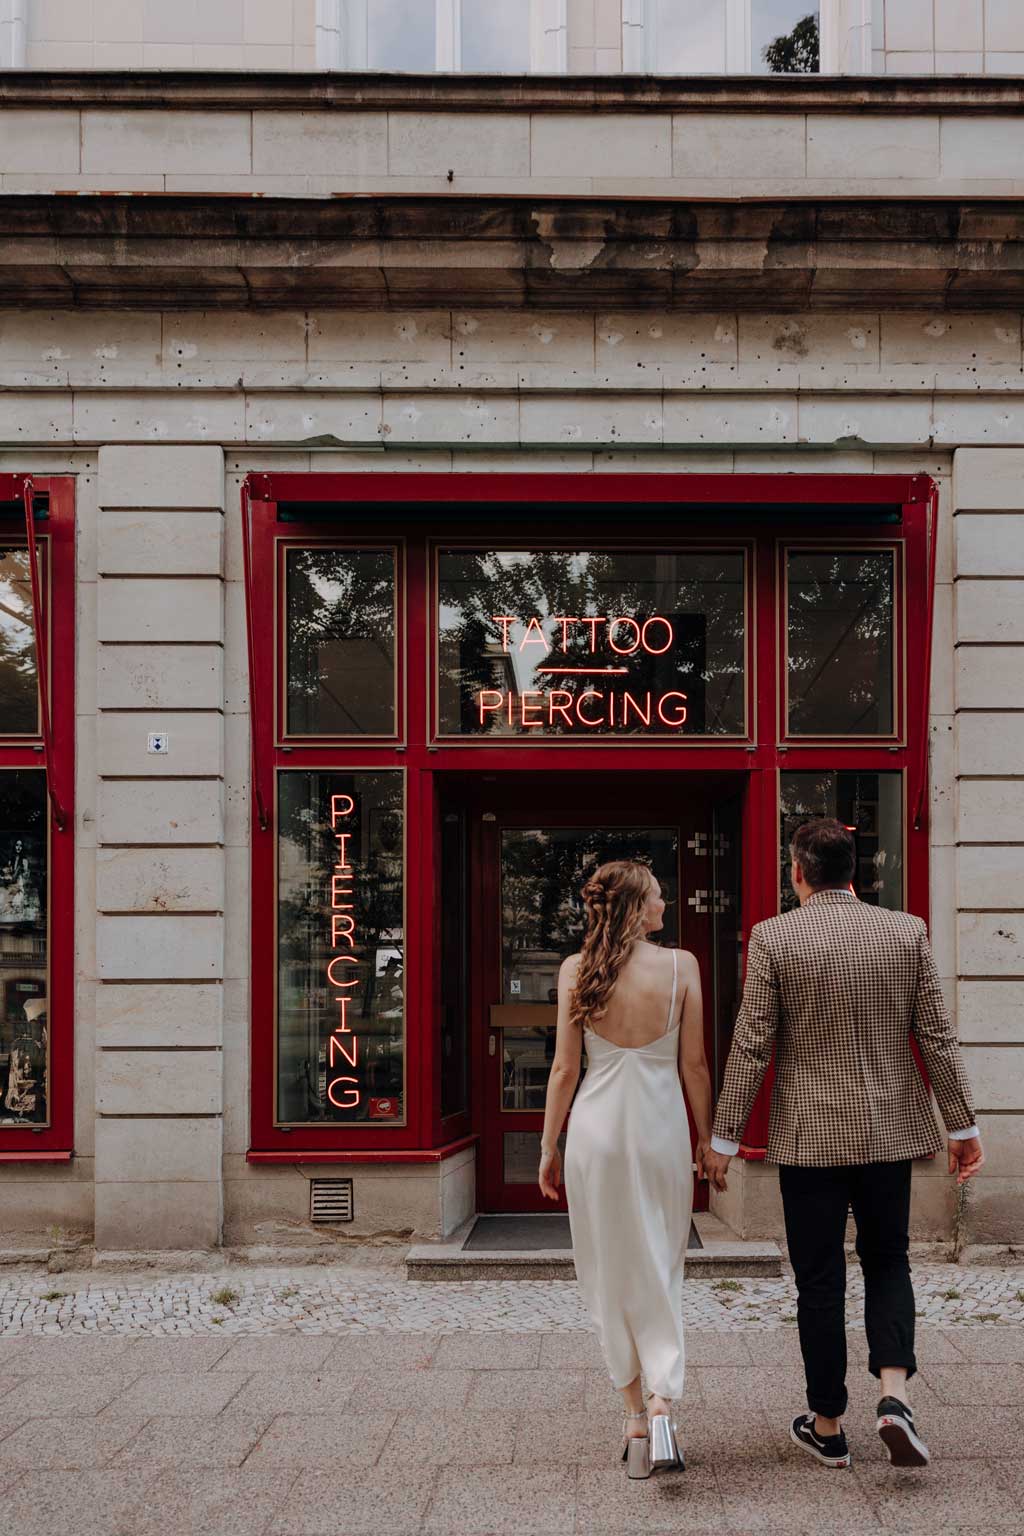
(838, 988)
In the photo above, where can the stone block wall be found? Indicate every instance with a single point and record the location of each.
(988, 500)
(170, 34)
(160, 859)
(948, 37)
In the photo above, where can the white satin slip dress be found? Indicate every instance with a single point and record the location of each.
(629, 1187)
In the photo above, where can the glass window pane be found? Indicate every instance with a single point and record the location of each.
(840, 642)
(542, 916)
(522, 1154)
(19, 709)
(24, 1033)
(341, 947)
(871, 805)
(400, 35)
(689, 37)
(454, 965)
(584, 644)
(496, 38)
(340, 642)
(527, 1055)
(784, 37)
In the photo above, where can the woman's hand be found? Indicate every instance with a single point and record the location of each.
(549, 1176)
(703, 1148)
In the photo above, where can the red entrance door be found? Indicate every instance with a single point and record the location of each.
(533, 844)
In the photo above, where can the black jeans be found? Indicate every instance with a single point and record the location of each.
(816, 1202)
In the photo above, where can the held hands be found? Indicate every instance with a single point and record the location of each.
(549, 1176)
(965, 1158)
(716, 1166)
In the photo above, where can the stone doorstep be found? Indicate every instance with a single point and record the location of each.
(722, 1254)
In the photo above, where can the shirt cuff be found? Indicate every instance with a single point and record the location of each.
(962, 1135)
(730, 1148)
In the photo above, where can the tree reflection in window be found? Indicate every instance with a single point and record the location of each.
(19, 708)
(702, 646)
(340, 642)
(871, 805)
(840, 642)
(542, 873)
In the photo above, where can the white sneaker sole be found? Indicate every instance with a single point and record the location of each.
(826, 1461)
(903, 1445)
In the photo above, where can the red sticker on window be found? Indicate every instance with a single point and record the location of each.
(385, 1109)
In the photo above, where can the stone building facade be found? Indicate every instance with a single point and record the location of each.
(219, 261)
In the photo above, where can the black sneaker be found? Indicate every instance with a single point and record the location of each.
(830, 1450)
(901, 1440)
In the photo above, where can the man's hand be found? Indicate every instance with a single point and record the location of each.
(716, 1166)
(965, 1158)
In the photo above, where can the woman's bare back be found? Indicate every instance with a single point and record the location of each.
(637, 1011)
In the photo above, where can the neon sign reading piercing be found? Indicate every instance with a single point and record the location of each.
(343, 1091)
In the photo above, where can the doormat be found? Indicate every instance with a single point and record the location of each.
(528, 1234)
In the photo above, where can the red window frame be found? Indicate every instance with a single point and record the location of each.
(416, 511)
(55, 542)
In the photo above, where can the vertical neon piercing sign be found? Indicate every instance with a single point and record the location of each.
(344, 1090)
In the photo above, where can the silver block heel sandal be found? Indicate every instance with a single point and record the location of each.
(665, 1452)
(636, 1450)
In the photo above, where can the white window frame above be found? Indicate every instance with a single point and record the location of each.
(13, 33)
(640, 34)
(342, 42)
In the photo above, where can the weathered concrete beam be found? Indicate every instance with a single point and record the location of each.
(241, 253)
(317, 91)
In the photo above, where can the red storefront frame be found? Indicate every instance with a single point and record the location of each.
(414, 512)
(54, 534)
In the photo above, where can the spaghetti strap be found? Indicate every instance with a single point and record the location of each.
(672, 1003)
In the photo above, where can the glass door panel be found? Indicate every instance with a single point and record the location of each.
(540, 921)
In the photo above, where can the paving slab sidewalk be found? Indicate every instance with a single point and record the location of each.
(479, 1431)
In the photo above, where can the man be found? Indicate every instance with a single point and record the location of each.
(838, 988)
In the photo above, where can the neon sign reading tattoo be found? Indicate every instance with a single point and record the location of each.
(344, 1091)
(567, 642)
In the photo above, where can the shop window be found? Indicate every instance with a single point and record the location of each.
(871, 805)
(454, 965)
(589, 644)
(840, 642)
(341, 946)
(24, 948)
(339, 675)
(19, 682)
(36, 836)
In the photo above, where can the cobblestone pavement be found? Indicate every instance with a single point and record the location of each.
(356, 1402)
(357, 1299)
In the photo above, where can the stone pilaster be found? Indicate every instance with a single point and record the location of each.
(160, 848)
(988, 497)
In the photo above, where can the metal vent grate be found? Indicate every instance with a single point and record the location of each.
(330, 1200)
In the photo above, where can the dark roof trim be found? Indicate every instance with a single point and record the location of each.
(187, 90)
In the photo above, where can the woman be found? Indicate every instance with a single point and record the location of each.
(628, 1177)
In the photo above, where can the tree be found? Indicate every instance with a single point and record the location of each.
(796, 53)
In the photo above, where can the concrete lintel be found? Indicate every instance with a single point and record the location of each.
(299, 91)
(186, 252)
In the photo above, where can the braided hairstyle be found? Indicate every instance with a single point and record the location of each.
(615, 898)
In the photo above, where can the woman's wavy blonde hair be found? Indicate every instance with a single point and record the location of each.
(615, 897)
